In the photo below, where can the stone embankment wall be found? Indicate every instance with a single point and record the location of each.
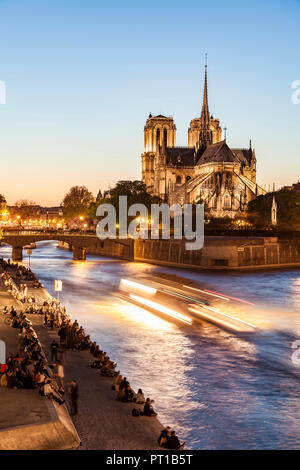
(217, 252)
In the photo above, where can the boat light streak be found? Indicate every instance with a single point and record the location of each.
(206, 292)
(221, 320)
(221, 296)
(161, 308)
(177, 294)
(127, 285)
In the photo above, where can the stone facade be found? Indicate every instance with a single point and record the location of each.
(206, 171)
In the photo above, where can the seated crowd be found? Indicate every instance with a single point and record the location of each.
(14, 275)
(28, 368)
(20, 272)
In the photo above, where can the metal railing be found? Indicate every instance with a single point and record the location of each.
(81, 233)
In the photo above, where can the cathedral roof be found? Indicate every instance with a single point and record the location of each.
(219, 152)
(180, 156)
(244, 155)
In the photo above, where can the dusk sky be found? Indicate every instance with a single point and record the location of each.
(82, 76)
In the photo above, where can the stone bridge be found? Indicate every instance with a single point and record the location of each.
(79, 243)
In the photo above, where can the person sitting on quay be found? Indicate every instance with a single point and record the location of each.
(108, 368)
(173, 442)
(120, 394)
(118, 380)
(148, 409)
(163, 437)
(140, 398)
(123, 384)
(93, 347)
(85, 343)
(49, 391)
(128, 394)
(5, 310)
(10, 362)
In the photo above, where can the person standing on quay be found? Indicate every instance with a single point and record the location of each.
(54, 348)
(73, 391)
(60, 374)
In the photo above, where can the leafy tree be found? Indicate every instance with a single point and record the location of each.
(288, 204)
(26, 208)
(76, 202)
(135, 191)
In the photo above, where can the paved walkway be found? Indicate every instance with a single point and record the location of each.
(102, 422)
(18, 407)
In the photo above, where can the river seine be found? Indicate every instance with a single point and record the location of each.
(218, 389)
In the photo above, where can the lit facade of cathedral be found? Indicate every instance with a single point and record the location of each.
(205, 171)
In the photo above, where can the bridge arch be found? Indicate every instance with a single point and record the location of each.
(79, 243)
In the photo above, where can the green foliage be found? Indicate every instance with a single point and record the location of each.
(76, 202)
(288, 204)
(134, 190)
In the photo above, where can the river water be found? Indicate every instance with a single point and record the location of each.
(219, 390)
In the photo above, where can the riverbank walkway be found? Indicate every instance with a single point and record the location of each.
(18, 407)
(29, 421)
(102, 422)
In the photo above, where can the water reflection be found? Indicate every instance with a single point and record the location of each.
(218, 389)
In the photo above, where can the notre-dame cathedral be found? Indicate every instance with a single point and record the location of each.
(206, 171)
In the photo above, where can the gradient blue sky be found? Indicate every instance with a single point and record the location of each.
(82, 77)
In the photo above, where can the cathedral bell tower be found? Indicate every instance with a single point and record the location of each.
(159, 131)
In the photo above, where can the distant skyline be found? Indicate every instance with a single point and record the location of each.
(82, 77)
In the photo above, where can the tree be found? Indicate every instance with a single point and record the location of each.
(288, 204)
(25, 208)
(135, 191)
(76, 202)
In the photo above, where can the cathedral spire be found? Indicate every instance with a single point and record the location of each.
(205, 136)
(205, 110)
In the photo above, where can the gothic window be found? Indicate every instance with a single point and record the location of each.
(178, 179)
(158, 135)
(166, 137)
(227, 201)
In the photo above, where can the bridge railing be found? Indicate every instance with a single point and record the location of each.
(43, 232)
